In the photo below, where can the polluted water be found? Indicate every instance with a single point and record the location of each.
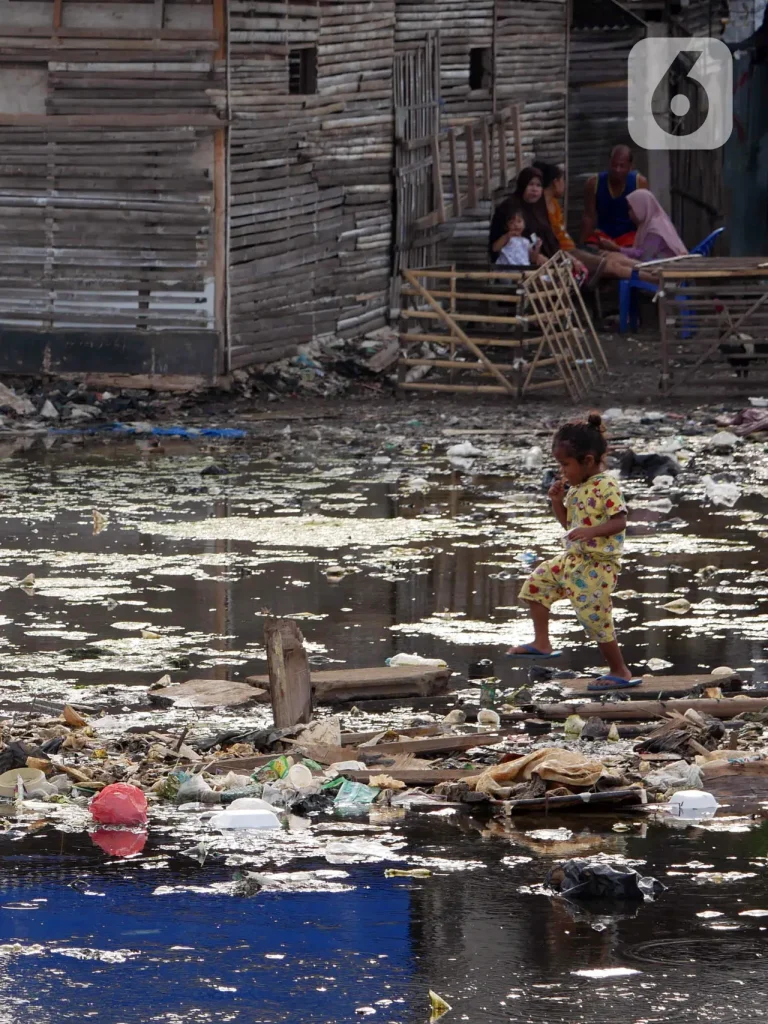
(130, 569)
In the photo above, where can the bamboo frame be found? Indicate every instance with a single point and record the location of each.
(459, 333)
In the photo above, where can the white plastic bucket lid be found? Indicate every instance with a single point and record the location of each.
(256, 818)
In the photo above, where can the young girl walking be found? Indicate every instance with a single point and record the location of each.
(588, 504)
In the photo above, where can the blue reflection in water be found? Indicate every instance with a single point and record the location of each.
(273, 957)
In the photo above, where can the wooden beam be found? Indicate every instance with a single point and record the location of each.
(469, 135)
(643, 710)
(220, 26)
(517, 126)
(290, 685)
(57, 14)
(111, 121)
(485, 139)
(437, 181)
(454, 173)
(502, 138)
(220, 234)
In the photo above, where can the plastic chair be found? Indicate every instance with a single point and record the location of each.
(628, 315)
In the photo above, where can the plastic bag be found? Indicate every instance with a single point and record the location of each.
(678, 775)
(197, 790)
(355, 794)
(119, 804)
(581, 879)
(415, 660)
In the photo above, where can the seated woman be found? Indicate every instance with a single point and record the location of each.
(656, 237)
(553, 182)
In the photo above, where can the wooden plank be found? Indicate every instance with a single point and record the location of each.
(354, 739)
(748, 781)
(469, 137)
(205, 693)
(518, 130)
(659, 686)
(485, 139)
(454, 173)
(414, 776)
(220, 236)
(290, 686)
(502, 140)
(331, 685)
(148, 382)
(433, 745)
(579, 801)
(437, 181)
(110, 121)
(473, 389)
(643, 710)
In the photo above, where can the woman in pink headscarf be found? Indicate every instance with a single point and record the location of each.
(656, 237)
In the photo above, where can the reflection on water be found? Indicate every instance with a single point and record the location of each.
(453, 594)
(93, 934)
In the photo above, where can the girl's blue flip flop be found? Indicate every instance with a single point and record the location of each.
(531, 653)
(613, 683)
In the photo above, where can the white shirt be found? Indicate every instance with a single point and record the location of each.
(516, 253)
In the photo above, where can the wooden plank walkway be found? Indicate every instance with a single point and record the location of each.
(348, 684)
(656, 686)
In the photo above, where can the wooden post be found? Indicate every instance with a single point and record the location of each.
(289, 680)
(502, 154)
(518, 138)
(469, 134)
(661, 302)
(454, 173)
(437, 180)
(486, 148)
(57, 13)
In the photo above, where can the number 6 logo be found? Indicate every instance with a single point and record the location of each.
(680, 93)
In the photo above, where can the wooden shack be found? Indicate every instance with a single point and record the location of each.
(192, 186)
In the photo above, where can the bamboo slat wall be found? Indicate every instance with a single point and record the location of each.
(106, 189)
(311, 175)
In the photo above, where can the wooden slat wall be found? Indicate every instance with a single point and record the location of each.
(531, 51)
(597, 107)
(105, 216)
(528, 38)
(462, 26)
(311, 176)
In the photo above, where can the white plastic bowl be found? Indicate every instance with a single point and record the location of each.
(299, 776)
(31, 777)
